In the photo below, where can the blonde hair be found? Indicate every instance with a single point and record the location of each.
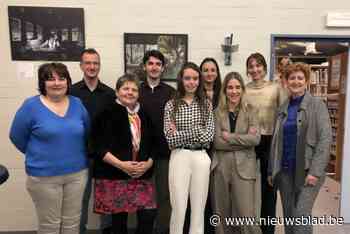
(223, 106)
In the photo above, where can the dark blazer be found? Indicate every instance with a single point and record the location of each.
(111, 132)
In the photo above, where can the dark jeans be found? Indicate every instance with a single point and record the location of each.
(161, 174)
(86, 199)
(145, 221)
(105, 220)
(268, 193)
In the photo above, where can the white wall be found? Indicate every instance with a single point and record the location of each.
(205, 21)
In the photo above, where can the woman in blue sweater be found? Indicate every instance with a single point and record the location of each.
(51, 130)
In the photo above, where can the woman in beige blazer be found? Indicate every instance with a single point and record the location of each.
(233, 165)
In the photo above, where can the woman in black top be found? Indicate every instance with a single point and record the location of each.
(121, 139)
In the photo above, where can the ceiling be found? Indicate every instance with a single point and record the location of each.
(314, 51)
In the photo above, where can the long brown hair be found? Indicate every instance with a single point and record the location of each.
(217, 82)
(199, 94)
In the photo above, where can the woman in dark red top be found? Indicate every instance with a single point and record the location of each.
(121, 139)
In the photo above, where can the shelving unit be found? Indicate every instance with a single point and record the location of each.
(333, 108)
(318, 80)
(327, 80)
(336, 105)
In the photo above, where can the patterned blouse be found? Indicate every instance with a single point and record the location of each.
(135, 127)
(193, 129)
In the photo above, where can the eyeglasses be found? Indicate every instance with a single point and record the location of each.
(91, 63)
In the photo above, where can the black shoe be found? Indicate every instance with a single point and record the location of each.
(161, 231)
(107, 230)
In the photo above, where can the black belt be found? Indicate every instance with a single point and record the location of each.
(194, 148)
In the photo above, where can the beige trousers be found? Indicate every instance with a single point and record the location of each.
(233, 196)
(58, 201)
(188, 175)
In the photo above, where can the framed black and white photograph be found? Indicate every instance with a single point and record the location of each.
(46, 33)
(173, 46)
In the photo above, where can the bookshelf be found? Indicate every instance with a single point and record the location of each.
(337, 73)
(318, 85)
(333, 107)
(327, 81)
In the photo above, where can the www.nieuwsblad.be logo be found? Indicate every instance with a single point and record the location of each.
(216, 220)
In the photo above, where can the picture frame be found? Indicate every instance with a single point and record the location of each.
(173, 46)
(46, 33)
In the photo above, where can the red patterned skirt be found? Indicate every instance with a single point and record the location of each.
(114, 196)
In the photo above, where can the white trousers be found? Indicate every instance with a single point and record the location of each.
(188, 175)
(58, 201)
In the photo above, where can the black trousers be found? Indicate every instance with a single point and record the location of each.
(161, 174)
(268, 193)
(145, 221)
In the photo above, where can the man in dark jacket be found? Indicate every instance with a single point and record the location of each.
(153, 96)
(95, 96)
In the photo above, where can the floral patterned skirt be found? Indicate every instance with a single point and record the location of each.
(114, 196)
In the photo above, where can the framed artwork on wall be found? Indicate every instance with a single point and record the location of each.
(46, 33)
(173, 46)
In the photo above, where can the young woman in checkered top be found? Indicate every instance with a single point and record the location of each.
(189, 129)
